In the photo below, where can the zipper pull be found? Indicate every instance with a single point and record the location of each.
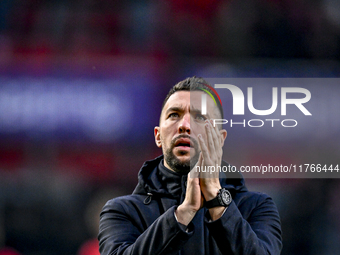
(148, 199)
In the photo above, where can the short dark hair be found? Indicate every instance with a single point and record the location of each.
(195, 84)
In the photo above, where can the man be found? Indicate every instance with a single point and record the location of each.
(177, 211)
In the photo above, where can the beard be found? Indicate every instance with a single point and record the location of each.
(182, 167)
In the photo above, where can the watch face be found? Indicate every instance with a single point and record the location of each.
(226, 197)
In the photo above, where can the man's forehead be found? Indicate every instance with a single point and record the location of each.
(183, 99)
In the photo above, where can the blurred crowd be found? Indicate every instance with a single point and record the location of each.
(233, 28)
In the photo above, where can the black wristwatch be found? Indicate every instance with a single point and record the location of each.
(223, 198)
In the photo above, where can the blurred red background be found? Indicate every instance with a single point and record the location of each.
(81, 86)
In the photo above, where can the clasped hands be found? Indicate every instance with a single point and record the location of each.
(204, 185)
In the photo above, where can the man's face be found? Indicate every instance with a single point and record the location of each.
(180, 123)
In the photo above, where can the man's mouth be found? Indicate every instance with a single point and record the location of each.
(183, 144)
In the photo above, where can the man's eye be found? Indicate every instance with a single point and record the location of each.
(173, 115)
(200, 117)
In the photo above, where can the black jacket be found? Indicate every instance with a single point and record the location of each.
(144, 222)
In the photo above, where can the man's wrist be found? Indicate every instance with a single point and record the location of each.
(223, 199)
(217, 212)
(211, 193)
(184, 214)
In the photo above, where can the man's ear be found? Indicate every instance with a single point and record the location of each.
(223, 133)
(157, 137)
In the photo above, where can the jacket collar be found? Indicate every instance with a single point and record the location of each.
(154, 178)
(160, 181)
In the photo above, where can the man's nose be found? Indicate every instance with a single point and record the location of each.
(184, 125)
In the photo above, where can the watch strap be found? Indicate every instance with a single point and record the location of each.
(212, 203)
(218, 200)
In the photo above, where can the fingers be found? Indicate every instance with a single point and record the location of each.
(218, 136)
(211, 156)
(195, 171)
(213, 145)
(204, 150)
(193, 196)
(210, 136)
